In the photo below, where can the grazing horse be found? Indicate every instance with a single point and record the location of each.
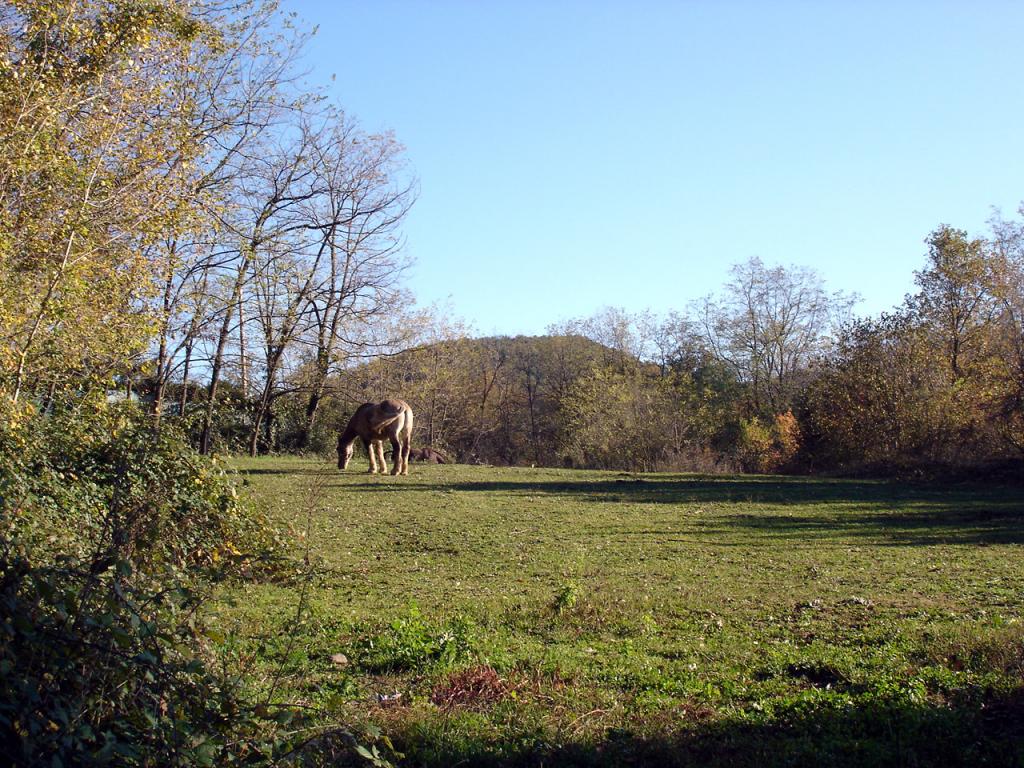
(372, 423)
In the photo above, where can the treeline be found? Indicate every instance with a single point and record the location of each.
(939, 381)
(618, 389)
(771, 374)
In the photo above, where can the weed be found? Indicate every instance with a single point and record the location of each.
(648, 625)
(566, 597)
(475, 688)
(412, 643)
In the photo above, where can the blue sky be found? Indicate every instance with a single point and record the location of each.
(573, 155)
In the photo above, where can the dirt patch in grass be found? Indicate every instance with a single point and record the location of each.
(478, 687)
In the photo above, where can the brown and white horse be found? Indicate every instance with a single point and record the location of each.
(373, 423)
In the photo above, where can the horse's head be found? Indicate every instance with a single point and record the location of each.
(345, 454)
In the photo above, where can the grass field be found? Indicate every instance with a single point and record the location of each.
(504, 616)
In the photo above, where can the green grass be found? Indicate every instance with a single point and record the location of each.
(504, 616)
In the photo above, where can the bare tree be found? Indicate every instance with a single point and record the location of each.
(768, 325)
(366, 194)
(324, 256)
(631, 335)
(268, 220)
(241, 86)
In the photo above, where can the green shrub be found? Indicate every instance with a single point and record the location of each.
(412, 642)
(105, 485)
(97, 670)
(566, 598)
(109, 531)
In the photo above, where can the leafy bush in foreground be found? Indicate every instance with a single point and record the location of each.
(110, 530)
(106, 485)
(97, 670)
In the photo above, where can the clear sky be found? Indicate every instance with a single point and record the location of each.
(573, 155)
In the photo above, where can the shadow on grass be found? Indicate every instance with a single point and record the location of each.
(719, 490)
(796, 508)
(929, 524)
(296, 471)
(879, 734)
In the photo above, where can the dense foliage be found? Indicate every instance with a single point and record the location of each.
(556, 400)
(939, 383)
(94, 164)
(102, 485)
(111, 536)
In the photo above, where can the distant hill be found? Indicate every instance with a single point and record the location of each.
(498, 399)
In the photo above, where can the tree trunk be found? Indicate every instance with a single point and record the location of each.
(163, 365)
(222, 341)
(241, 352)
(312, 408)
(264, 406)
(316, 393)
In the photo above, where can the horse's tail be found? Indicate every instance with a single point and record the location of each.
(408, 423)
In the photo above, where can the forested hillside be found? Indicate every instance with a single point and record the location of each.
(773, 374)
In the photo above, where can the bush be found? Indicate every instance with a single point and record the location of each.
(96, 669)
(762, 447)
(754, 445)
(109, 532)
(104, 485)
(786, 434)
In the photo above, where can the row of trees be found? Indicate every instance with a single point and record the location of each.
(712, 388)
(178, 211)
(772, 373)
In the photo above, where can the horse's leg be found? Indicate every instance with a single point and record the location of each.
(380, 454)
(406, 433)
(396, 453)
(368, 444)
